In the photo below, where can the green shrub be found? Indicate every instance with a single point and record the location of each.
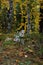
(8, 42)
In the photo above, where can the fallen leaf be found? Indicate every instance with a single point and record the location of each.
(17, 60)
(26, 56)
(30, 50)
(21, 54)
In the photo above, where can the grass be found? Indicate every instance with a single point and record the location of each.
(33, 48)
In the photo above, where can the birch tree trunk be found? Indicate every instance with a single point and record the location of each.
(0, 15)
(0, 4)
(10, 16)
(28, 14)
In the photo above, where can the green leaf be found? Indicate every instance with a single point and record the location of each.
(28, 62)
(21, 63)
(22, 0)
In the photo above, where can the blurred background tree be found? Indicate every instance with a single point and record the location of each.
(11, 16)
(27, 13)
(4, 20)
(18, 14)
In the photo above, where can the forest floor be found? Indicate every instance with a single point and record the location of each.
(31, 53)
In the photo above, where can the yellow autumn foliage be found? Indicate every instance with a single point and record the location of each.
(36, 13)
